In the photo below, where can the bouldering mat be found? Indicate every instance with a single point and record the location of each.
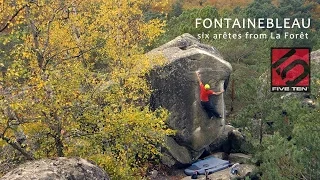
(209, 165)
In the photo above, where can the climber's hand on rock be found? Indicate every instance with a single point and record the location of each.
(220, 92)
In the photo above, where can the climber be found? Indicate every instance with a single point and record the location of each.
(204, 97)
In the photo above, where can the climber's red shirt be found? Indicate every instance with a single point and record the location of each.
(204, 94)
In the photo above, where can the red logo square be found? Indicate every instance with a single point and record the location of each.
(290, 69)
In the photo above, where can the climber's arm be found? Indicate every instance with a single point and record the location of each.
(198, 76)
(218, 93)
(210, 92)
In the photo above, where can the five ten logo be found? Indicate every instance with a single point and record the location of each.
(290, 69)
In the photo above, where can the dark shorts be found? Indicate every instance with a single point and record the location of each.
(209, 108)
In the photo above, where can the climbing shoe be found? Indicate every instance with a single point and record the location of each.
(194, 175)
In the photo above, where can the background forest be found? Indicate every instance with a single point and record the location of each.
(73, 82)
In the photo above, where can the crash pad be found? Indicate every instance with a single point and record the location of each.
(209, 165)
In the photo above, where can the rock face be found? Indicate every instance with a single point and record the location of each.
(239, 158)
(176, 88)
(57, 169)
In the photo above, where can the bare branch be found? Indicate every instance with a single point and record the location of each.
(5, 129)
(35, 34)
(16, 146)
(49, 26)
(48, 33)
(74, 134)
(56, 54)
(12, 17)
(82, 52)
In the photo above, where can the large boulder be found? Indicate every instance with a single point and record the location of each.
(176, 88)
(57, 169)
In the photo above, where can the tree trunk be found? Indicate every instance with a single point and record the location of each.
(16, 146)
(57, 135)
(261, 131)
(59, 145)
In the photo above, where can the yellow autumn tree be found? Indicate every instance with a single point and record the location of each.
(54, 102)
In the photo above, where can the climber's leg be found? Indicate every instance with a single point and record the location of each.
(213, 111)
(207, 107)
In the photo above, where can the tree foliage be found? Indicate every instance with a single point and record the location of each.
(53, 101)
